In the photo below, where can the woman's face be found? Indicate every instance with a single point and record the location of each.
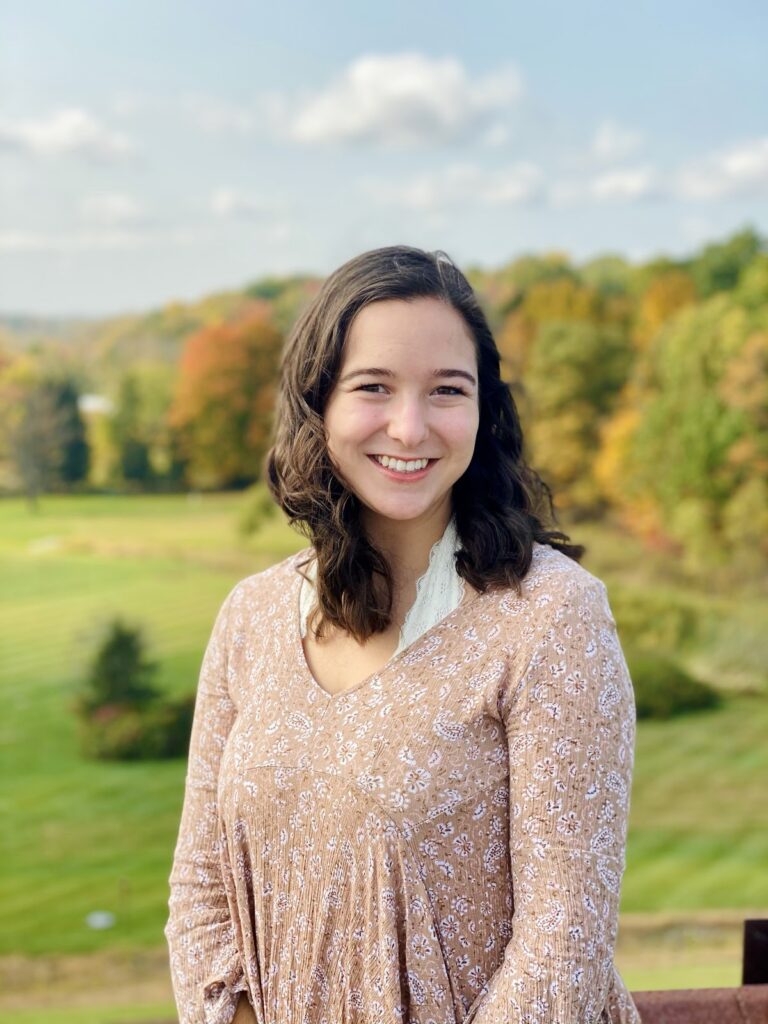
(407, 390)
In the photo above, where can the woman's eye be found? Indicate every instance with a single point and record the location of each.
(443, 388)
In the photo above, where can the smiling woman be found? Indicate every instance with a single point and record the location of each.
(411, 758)
(385, 438)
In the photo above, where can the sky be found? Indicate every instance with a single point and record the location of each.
(154, 151)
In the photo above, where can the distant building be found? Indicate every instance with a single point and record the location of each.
(95, 404)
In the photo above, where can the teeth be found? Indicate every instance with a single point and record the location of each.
(399, 465)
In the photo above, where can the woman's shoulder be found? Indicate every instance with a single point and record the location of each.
(555, 588)
(268, 584)
(551, 568)
(552, 580)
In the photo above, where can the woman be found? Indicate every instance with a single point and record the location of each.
(411, 759)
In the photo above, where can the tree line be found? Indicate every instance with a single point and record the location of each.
(643, 390)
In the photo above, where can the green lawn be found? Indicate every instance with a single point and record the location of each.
(152, 1013)
(88, 836)
(81, 836)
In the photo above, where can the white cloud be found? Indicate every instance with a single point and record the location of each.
(631, 183)
(738, 171)
(741, 170)
(215, 116)
(566, 193)
(613, 142)
(496, 135)
(70, 131)
(90, 241)
(403, 99)
(231, 202)
(112, 209)
(627, 184)
(462, 185)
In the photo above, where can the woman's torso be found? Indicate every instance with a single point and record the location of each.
(365, 848)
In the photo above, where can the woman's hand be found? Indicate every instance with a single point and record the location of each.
(244, 1013)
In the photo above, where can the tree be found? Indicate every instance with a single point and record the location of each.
(575, 373)
(43, 432)
(699, 446)
(563, 299)
(609, 274)
(225, 396)
(120, 674)
(720, 265)
(35, 443)
(560, 299)
(75, 451)
(663, 297)
(128, 436)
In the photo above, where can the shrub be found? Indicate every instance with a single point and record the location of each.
(663, 689)
(122, 715)
(259, 509)
(119, 672)
(119, 733)
(652, 621)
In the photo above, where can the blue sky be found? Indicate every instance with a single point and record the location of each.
(155, 151)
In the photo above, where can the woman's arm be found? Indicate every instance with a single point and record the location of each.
(206, 971)
(570, 725)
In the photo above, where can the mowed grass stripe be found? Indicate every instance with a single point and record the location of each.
(100, 836)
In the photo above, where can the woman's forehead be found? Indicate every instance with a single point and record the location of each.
(413, 330)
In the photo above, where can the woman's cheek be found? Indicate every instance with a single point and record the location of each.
(462, 427)
(365, 421)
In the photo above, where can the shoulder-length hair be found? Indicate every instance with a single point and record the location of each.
(499, 503)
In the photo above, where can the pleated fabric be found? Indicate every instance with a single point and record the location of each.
(442, 844)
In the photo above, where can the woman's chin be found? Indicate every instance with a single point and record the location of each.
(399, 511)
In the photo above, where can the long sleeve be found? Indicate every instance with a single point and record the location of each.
(570, 725)
(206, 970)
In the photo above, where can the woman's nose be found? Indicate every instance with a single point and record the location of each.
(408, 424)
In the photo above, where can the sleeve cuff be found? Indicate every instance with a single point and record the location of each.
(221, 990)
(477, 1005)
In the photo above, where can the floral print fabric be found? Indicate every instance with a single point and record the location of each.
(442, 844)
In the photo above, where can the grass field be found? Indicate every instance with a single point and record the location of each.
(81, 837)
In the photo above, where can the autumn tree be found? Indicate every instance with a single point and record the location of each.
(663, 297)
(224, 399)
(752, 289)
(694, 438)
(43, 432)
(575, 372)
(130, 436)
(719, 266)
(557, 299)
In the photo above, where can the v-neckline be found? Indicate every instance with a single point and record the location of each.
(302, 656)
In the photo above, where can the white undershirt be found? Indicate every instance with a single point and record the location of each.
(438, 591)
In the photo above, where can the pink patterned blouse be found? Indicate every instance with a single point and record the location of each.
(442, 844)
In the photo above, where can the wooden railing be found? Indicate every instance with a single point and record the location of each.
(745, 1004)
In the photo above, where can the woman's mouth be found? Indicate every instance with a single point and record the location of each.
(403, 469)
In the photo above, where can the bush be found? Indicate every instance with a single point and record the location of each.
(122, 715)
(259, 509)
(119, 733)
(119, 672)
(652, 620)
(663, 689)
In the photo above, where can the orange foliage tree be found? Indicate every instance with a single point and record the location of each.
(222, 407)
(662, 298)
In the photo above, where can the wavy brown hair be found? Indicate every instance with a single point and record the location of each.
(500, 504)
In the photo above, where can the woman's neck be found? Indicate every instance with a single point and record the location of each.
(406, 544)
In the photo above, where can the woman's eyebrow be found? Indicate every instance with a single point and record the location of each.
(378, 371)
